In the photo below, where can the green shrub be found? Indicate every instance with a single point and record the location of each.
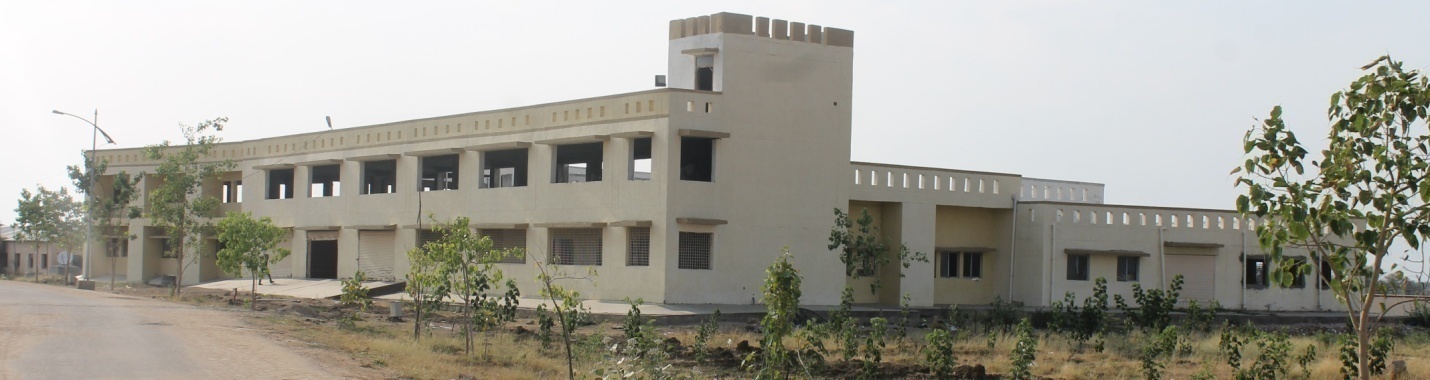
(1153, 306)
(938, 355)
(874, 347)
(1024, 352)
(703, 333)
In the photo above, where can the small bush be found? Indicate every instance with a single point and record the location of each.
(1153, 306)
(1024, 352)
(938, 355)
(703, 333)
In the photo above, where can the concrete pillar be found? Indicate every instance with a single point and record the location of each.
(469, 171)
(347, 252)
(917, 231)
(303, 182)
(351, 177)
(403, 240)
(298, 258)
(408, 175)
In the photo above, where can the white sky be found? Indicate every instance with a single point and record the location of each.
(1150, 98)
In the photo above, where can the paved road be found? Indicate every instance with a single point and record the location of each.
(51, 332)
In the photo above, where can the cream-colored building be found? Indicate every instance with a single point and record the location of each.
(686, 194)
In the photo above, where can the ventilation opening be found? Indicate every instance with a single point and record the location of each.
(504, 168)
(325, 181)
(232, 191)
(439, 173)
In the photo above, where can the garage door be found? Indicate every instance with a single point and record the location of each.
(375, 257)
(1198, 276)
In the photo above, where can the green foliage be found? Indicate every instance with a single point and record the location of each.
(641, 355)
(177, 204)
(781, 299)
(874, 347)
(49, 216)
(109, 211)
(703, 332)
(1201, 319)
(1233, 338)
(938, 354)
(1274, 352)
(427, 287)
(1081, 324)
(355, 294)
(467, 262)
(1024, 352)
(901, 330)
(250, 244)
(1368, 192)
(1165, 343)
(1002, 316)
(544, 325)
(1154, 307)
(863, 251)
(1305, 359)
(1380, 349)
(565, 303)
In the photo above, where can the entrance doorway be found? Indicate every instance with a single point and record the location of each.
(323, 259)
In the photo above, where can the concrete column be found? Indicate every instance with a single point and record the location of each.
(303, 181)
(402, 241)
(347, 252)
(351, 177)
(469, 171)
(408, 175)
(299, 257)
(917, 226)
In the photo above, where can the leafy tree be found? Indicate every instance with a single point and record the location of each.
(355, 294)
(1025, 351)
(110, 211)
(247, 244)
(177, 205)
(1368, 191)
(49, 216)
(468, 262)
(426, 286)
(863, 251)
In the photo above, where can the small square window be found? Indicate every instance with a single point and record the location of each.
(695, 249)
(1077, 267)
(638, 246)
(1128, 268)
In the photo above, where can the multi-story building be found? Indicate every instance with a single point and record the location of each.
(686, 194)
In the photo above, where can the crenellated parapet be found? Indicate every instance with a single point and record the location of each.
(735, 23)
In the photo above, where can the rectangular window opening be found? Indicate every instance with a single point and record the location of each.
(379, 177)
(439, 173)
(972, 265)
(578, 163)
(948, 264)
(705, 73)
(504, 168)
(1077, 267)
(638, 246)
(576, 246)
(1256, 269)
(1128, 268)
(326, 181)
(232, 191)
(511, 240)
(695, 249)
(280, 184)
(697, 159)
(640, 159)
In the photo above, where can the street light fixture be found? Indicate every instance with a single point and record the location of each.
(89, 194)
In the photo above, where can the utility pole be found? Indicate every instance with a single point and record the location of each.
(93, 185)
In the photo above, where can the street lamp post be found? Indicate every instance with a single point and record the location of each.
(89, 193)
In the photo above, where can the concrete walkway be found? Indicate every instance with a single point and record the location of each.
(292, 287)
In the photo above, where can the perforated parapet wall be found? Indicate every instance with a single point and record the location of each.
(736, 23)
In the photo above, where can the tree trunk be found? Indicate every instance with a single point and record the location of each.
(253, 292)
(111, 273)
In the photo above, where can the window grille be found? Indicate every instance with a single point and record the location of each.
(576, 246)
(508, 239)
(428, 236)
(695, 248)
(638, 246)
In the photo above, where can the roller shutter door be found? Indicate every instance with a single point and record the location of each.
(375, 257)
(1198, 276)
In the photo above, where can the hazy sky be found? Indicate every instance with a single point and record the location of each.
(1150, 98)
